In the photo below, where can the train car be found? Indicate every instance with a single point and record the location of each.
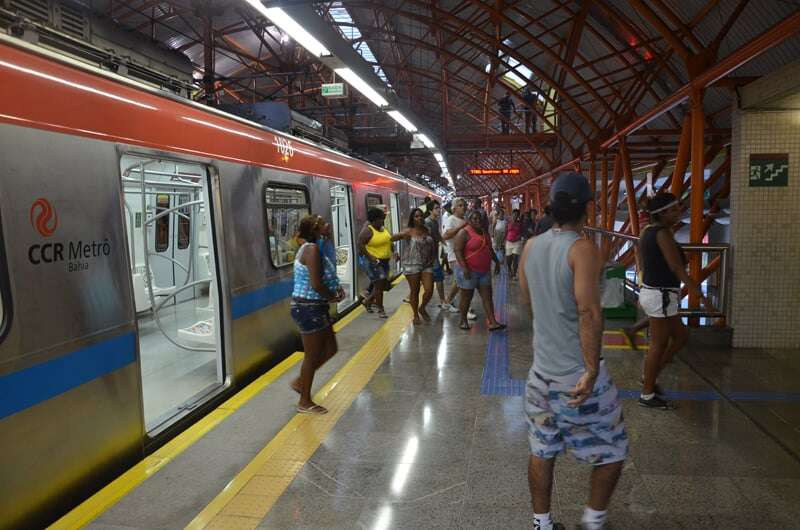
(146, 249)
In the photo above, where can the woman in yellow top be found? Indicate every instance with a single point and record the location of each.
(375, 244)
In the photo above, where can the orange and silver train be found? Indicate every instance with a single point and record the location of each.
(146, 250)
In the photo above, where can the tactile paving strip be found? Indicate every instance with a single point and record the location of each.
(247, 499)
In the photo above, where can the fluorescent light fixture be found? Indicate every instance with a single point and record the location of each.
(361, 85)
(438, 157)
(289, 26)
(425, 141)
(402, 120)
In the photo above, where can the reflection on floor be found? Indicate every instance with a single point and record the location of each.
(422, 447)
(172, 375)
(427, 444)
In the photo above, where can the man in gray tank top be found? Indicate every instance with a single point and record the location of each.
(570, 400)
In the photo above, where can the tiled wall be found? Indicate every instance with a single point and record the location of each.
(765, 235)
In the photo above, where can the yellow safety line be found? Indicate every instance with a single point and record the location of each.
(246, 500)
(104, 499)
(627, 345)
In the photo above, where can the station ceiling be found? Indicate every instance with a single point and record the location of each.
(594, 65)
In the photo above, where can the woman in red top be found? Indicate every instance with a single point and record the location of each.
(514, 244)
(474, 256)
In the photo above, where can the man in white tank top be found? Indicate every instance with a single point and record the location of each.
(570, 400)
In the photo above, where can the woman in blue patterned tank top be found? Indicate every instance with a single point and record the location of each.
(315, 287)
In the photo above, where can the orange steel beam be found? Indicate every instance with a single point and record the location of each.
(682, 160)
(696, 197)
(593, 184)
(604, 190)
(665, 31)
(712, 266)
(630, 190)
(755, 47)
(676, 20)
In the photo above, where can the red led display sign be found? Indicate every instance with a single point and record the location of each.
(494, 171)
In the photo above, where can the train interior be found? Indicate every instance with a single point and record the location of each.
(174, 278)
(342, 232)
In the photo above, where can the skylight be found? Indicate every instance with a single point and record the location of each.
(349, 30)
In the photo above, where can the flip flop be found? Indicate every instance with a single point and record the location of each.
(314, 409)
(498, 327)
(368, 307)
(382, 314)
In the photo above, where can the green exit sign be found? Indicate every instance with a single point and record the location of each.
(333, 90)
(769, 170)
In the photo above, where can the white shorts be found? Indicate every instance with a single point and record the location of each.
(659, 302)
(513, 247)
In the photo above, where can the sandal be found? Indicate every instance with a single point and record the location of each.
(464, 326)
(382, 313)
(498, 327)
(367, 307)
(313, 409)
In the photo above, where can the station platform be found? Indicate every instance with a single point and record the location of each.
(426, 430)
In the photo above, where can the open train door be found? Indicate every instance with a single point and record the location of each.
(173, 259)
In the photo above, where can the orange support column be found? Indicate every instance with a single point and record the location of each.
(630, 189)
(593, 184)
(604, 191)
(696, 197)
(682, 160)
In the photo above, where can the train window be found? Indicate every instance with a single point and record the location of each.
(184, 222)
(373, 200)
(285, 206)
(162, 223)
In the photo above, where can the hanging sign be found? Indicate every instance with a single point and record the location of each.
(769, 170)
(494, 171)
(333, 90)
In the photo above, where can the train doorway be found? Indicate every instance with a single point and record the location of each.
(341, 213)
(171, 244)
(394, 209)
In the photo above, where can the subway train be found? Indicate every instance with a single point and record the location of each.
(146, 250)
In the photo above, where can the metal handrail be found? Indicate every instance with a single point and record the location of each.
(723, 250)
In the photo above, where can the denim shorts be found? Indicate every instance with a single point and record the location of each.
(438, 272)
(477, 279)
(311, 316)
(378, 271)
(416, 269)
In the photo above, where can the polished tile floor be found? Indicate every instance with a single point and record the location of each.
(437, 439)
(429, 443)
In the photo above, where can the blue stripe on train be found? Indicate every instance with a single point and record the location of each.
(248, 303)
(31, 386)
(26, 388)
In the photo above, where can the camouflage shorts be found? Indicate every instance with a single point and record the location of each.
(594, 432)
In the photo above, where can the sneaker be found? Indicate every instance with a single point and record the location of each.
(656, 402)
(471, 315)
(556, 526)
(453, 309)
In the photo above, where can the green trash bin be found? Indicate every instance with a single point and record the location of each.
(613, 301)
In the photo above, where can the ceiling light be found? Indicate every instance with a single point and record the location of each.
(360, 85)
(402, 120)
(425, 141)
(286, 23)
(438, 157)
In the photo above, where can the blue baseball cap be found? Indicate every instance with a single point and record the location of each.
(574, 185)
